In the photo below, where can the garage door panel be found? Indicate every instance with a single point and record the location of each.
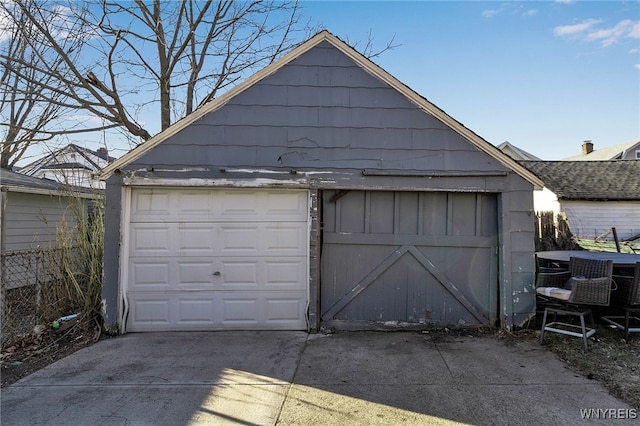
(150, 312)
(191, 204)
(229, 274)
(194, 274)
(286, 206)
(406, 291)
(262, 205)
(286, 274)
(284, 309)
(263, 274)
(151, 239)
(150, 204)
(240, 309)
(217, 259)
(151, 274)
(197, 205)
(195, 239)
(285, 238)
(239, 274)
(195, 310)
(262, 239)
(239, 239)
(415, 257)
(216, 310)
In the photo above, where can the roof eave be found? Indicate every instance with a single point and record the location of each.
(51, 192)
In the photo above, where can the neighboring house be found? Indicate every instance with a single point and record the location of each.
(31, 209)
(595, 196)
(624, 151)
(543, 199)
(516, 153)
(72, 165)
(320, 192)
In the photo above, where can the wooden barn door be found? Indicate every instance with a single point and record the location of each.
(413, 257)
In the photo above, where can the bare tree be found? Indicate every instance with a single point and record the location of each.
(140, 65)
(163, 58)
(32, 98)
(200, 47)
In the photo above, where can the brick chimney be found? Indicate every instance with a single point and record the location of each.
(587, 147)
(103, 153)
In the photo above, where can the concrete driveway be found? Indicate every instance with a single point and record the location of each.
(292, 378)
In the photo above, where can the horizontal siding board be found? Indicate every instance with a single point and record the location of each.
(314, 96)
(324, 53)
(303, 75)
(320, 116)
(28, 231)
(523, 200)
(522, 240)
(522, 220)
(431, 240)
(264, 95)
(293, 136)
(293, 96)
(517, 183)
(255, 156)
(595, 219)
(31, 220)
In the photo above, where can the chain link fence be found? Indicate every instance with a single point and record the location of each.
(35, 289)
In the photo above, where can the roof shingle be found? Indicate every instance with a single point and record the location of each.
(589, 180)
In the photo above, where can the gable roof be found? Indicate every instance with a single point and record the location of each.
(18, 182)
(613, 152)
(52, 160)
(517, 153)
(589, 180)
(360, 60)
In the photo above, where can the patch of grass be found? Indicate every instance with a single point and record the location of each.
(611, 360)
(610, 246)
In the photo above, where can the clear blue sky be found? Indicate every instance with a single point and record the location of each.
(543, 75)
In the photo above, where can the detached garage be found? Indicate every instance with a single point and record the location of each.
(321, 191)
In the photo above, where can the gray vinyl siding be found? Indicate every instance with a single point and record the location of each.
(309, 116)
(30, 220)
(520, 300)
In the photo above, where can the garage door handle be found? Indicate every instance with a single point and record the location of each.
(216, 273)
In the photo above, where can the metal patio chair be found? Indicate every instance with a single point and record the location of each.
(628, 298)
(588, 283)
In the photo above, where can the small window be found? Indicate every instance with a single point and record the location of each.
(637, 154)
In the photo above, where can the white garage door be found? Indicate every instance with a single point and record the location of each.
(203, 259)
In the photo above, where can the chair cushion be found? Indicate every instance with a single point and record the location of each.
(555, 292)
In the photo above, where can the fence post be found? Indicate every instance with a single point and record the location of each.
(615, 238)
(38, 259)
